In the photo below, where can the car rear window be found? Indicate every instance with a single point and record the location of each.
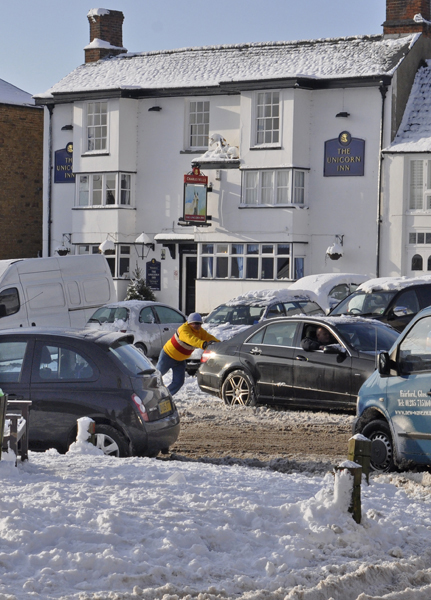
(107, 314)
(131, 358)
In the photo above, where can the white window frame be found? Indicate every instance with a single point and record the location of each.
(96, 127)
(213, 251)
(100, 184)
(259, 118)
(419, 185)
(192, 118)
(115, 258)
(296, 187)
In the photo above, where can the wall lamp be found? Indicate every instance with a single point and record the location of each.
(145, 241)
(343, 114)
(155, 109)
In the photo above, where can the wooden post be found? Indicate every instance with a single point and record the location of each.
(356, 471)
(359, 451)
(92, 432)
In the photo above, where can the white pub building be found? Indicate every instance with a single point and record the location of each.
(295, 140)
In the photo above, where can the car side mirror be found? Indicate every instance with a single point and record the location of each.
(383, 363)
(400, 311)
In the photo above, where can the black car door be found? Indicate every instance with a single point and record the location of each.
(63, 385)
(321, 378)
(268, 354)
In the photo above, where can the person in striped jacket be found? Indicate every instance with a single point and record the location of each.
(178, 349)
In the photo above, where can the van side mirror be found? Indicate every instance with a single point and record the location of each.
(2, 310)
(383, 364)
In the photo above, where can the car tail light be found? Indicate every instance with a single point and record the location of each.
(140, 407)
(206, 355)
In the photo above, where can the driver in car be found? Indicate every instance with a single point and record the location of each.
(323, 338)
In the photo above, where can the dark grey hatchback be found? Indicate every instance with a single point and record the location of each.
(68, 374)
(280, 361)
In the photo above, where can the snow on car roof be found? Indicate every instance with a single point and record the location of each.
(392, 283)
(322, 283)
(266, 297)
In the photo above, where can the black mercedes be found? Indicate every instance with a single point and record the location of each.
(282, 362)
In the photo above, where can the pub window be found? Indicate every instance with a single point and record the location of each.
(97, 126)
(103, 189)
(267, 118)
(248, 261)
(417, 263)
(273, 187)
(420, 185)
(199, 123)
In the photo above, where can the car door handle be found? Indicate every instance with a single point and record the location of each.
(255, 351)
(302, 358)
(165, 328)
(15, 397)
(429, 393)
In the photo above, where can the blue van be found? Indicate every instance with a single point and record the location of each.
(394, 404)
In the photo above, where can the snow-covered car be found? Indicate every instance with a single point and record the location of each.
(329, 288)
(150, 323)
(246, 310)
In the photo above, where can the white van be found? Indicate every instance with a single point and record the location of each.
(61, 291)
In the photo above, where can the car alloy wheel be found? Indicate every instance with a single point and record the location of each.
(111, 441)
(382, 449)
(238, 388)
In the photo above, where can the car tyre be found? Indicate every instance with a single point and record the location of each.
(238, 388)
(382, 447)
(111, 441)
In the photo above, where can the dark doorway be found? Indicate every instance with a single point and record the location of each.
(190, 272)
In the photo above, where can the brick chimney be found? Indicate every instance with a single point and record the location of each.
(106, 34)
(399, 17)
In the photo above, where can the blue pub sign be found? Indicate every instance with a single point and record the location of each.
(344, 156)
(153, 274)
(63, 165)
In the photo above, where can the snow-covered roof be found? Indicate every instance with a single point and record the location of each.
(9, 94)
(212, 66)
(414, 133)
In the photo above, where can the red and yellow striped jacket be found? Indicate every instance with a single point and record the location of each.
(185, 340)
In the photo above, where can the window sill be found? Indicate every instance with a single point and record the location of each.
(96, 153)
(260, 206)
(266, 147)
(201, 151)
(104, 207)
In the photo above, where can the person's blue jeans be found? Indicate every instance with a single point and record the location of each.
(178, 370)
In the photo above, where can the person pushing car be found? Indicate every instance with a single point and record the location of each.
(177, 350)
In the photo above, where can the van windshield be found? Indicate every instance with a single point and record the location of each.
(361, 303)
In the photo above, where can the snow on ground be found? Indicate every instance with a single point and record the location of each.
(90, 527)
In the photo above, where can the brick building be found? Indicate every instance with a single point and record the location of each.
(21, 157)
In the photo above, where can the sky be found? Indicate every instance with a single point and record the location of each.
(84, 526)
(41, 42)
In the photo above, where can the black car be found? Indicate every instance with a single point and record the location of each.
(391, 300)
(97, 374)
(267, 363)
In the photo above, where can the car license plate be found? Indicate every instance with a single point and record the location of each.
(165, 406)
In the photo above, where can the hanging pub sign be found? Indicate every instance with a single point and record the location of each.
(195, 197)
(344, 156)
(152, 275)
(63, 165)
